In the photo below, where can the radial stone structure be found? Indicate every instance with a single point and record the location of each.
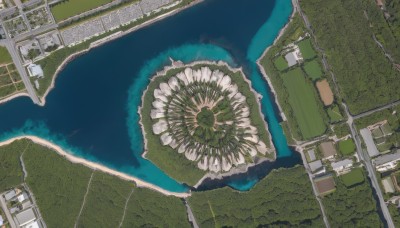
(203, 115)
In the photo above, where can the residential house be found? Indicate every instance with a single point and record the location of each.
(342, 166)
(387, 162)
(388, 186)
(369, 141)
(315, 165)
(10, 195)
(311, 155)
(25, 217)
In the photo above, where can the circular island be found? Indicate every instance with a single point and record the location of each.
(202, 118)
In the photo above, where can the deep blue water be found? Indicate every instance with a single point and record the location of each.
(92, 112)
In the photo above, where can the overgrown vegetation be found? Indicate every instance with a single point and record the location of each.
(5, 57)
(354, 177)
(352, 207)
(284, 198)
(10, 168)
(58, 185)
(365, 76)
(105, 201)
(147, 208)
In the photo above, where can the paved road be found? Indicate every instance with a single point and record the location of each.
(371, 171)
(362, 156)
(21, 70)
(303, 157)
(190, 215)
(367, 113)
(8, 215)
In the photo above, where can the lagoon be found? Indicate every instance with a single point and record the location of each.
(92, 112)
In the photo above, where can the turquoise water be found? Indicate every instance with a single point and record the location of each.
(92, 113)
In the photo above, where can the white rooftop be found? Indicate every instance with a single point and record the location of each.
(33, 225)
(25, 217)
(315, 165)
(311, 154)
(369, 141)
(35, 70)
(341, 163)
(387, 158)
(291, 58)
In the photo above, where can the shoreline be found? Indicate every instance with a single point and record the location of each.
(109, 38)
(93, 165)
(236, 170)
(261, 68)
(16, 95)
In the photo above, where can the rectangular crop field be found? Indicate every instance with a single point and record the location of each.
(5, 57)
(313, 70)
(304, 104)
(356, 176)
(306, 49)
(69, 8)
(280, 63)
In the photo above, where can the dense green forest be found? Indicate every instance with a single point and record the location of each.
(352, 207)
(283, 198)
(58, 185)
(105, 201)
(395, 213)
(147, 208)
(365, 76)
(10, 169)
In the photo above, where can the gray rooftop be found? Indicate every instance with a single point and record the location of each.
(341, 163)
(369, 141)
(9, 195)
(291, 59)
(25, 217)
(387, 158)
(315, 165)
(311, 154)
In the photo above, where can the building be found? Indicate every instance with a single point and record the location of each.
(342, 166)
(34, 224)
(10, 195)
(328, 150)
(25, 217)
(387, 162)
(22, 197)
(388, 186)
(26, 204)
(311, 155)
(1, 220)
(293, 57)
(369, 141)
(315, 165)
(35, 70)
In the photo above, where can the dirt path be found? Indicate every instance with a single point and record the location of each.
(84, 200)
(126, 206)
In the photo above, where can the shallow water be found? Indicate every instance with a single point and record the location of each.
(92, 112)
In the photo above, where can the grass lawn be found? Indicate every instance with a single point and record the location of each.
(5, 57)
(356, 176)
(280, 63)
(334, 114)
(306, 49)
(304, 104)
(347, 147)
(69, 8)
(313, 70)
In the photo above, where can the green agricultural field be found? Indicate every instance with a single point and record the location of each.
(265, 205)
(280, 63)
(105, 201)
(313, 70)
(5, 57)
(69, 8)
(147, 208)
(356, 176)
(58, 185)
(334, 114)
(303, 101)
(306, 49)
(347, 147)
(10, 168)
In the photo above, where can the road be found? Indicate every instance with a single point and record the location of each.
(21, 70)
(350, 121)
(8, 215)
(367, 113)
(371, 171)
(191, 217)
(315, 189)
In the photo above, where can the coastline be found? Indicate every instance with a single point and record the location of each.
(95, 166)
(239, 169)
(107, 39)
(19, 94)
(261, 68)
